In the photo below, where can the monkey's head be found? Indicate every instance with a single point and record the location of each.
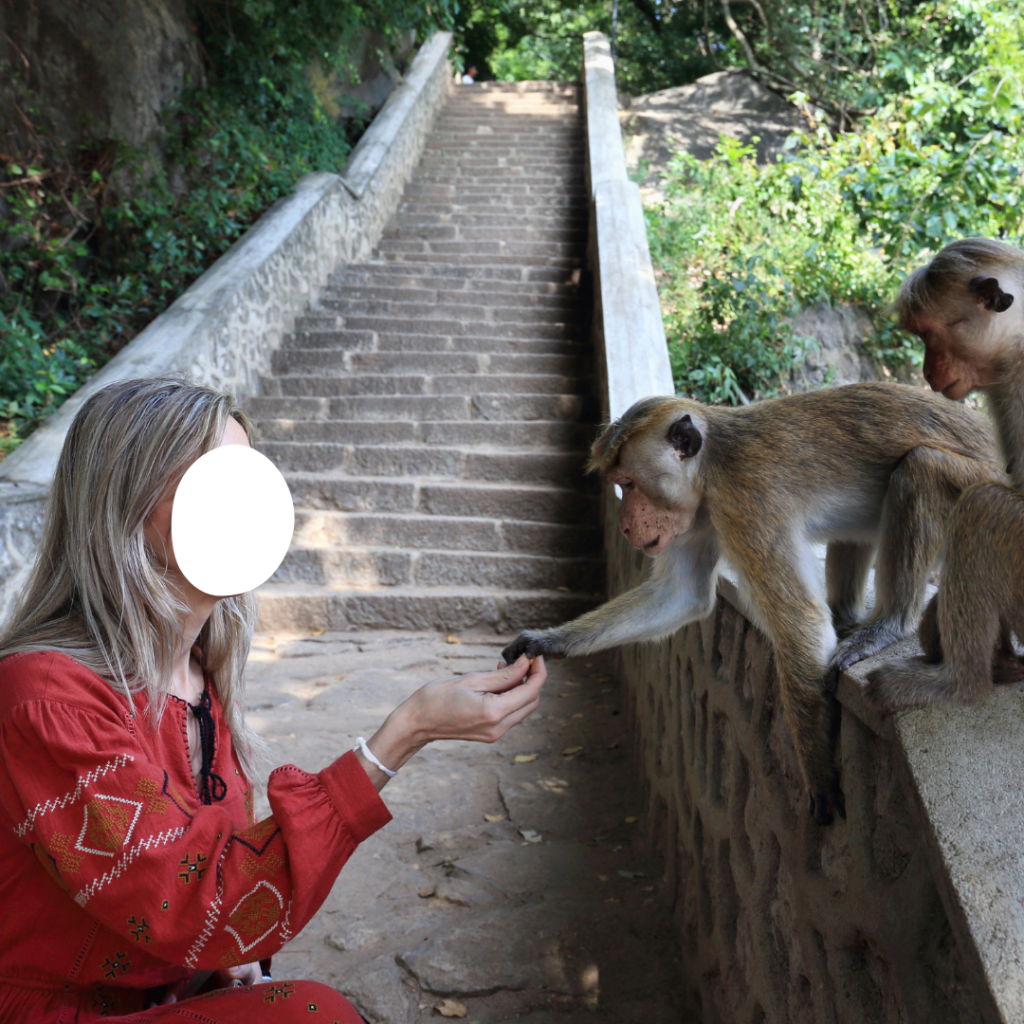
(653, 453)
(967, 306)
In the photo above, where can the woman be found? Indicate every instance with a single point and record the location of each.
(130, 859)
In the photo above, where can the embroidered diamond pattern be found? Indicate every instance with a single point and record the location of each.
(108, 824)
(255, 916)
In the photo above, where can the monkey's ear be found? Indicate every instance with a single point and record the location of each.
(685, 437)
(990, 295)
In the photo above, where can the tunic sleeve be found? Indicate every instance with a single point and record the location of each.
(109, 826)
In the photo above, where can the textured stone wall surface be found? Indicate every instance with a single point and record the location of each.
(783, 921)
(224, 329)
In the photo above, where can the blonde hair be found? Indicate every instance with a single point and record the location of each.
(928, 289)
(96, 591)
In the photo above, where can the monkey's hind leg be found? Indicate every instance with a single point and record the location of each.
(979, 599)
(847, 565)
(921, 494)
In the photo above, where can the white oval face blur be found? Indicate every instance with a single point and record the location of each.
(231, 521)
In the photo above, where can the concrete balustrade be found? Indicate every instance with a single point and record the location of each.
(225, 327)
(910, 910)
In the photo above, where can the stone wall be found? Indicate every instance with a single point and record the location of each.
(911, 910)
(224, 328)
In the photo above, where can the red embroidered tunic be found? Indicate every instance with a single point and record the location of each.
(115, 878)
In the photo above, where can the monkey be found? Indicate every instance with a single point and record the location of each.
(967, 306)
(872, 467)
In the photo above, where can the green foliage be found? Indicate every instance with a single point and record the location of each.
(658, 44)
(249, 42)
(88, 261)
(843, 217)
(94, 244)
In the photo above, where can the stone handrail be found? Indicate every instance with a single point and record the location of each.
(224, 328)
(910, 910)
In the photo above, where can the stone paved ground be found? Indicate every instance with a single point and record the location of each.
(522, 890)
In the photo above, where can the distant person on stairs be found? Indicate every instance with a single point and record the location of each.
(133, 872)
(469, 77)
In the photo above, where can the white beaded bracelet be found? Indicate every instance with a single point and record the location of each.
(369, 755)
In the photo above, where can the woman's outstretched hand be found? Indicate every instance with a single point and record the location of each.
(479, 706)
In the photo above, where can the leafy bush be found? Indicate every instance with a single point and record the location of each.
(843, 217)
(94, 255)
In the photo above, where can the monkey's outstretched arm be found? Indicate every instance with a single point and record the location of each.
(680, 589)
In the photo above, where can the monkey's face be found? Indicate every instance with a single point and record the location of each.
(967, 343)
(657, 471)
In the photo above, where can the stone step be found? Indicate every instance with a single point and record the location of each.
(428, 462)
(306, 607)
(451, 272)
(410, 384)
(371, 341)
(466, 306)
(334, 361)
(545, 298)
(318, 528)
(357, 282)
(496, 407)
(489, 148)
(355, 566)
(530, 502)
(498, 177)
(471, 237)
(516, 434)
(566, 329)
(496, 206)
(519, 192)
(566, 264)
(483, 251)
(509, 215)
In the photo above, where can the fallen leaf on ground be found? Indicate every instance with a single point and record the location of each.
(530, 836)
(612, 746)
(564, 590)
(632, 820)
(524, 758)
(494, 817)
(451, 1008)
(579, 714)
(631, 874)
(453, 639)
(318, 632)
(427, 891)
(339, 677)
(602, 878)
(571, 750)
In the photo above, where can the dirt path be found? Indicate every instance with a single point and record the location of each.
(518, 889)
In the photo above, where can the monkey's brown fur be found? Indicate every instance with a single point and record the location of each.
(967, 305)
(857, 466)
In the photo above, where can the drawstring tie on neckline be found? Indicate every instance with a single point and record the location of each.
(213, 786)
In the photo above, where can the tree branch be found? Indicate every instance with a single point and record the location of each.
(740, 35)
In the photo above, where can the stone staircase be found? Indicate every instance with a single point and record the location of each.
(432, 414)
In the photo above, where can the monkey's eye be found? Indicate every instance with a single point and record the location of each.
(627, 485)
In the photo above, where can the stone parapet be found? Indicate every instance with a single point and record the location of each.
(225, 327)
(910, 910)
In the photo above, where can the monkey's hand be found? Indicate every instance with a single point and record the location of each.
(534, 642)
